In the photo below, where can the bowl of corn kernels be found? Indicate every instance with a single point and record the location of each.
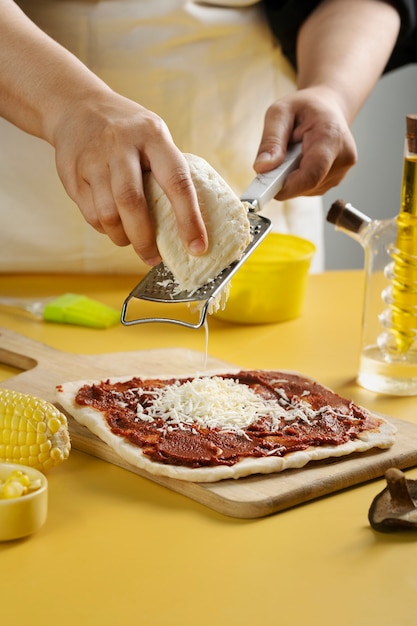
(23, 500)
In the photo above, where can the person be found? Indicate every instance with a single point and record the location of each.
(205, 74)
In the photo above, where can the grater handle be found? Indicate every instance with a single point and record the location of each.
(265, 186)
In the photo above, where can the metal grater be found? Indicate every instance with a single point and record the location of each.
(159, 284)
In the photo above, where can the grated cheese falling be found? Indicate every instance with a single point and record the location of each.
(211, 402)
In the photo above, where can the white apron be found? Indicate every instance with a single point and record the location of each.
(209, 71)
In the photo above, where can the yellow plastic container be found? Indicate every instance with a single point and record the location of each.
(23, 515)
(270, 285)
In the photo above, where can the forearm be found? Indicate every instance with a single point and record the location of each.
(343, 47)
(102, 140)
(39, 79)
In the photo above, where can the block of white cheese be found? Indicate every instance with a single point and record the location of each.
(225, 217)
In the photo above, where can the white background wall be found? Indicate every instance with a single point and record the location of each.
(374, 185)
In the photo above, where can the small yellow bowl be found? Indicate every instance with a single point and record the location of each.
(23, 515)
(270, 285)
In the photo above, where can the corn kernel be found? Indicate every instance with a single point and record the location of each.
(14, 437)
(13, 489)
(43, 457)
(24, 451)
(21, 438)
(32, 431)
(35, 484)
(54, 424)
(31, 438)
(56, 454)
(21, 477)
(45, 447)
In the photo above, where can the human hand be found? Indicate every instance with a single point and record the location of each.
(103, 143)
(314, 117)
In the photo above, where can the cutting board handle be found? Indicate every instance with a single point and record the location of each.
(41, 367)
(23, 353)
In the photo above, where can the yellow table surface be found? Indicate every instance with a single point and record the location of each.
(118, 549)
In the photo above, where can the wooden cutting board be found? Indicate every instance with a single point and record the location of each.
(256, 496)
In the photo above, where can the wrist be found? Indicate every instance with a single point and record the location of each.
(325, 96)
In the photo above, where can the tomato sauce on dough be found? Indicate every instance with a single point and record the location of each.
(309, 415)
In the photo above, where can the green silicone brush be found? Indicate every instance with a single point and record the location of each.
(70, 308)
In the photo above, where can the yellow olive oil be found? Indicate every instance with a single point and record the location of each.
(404, 254)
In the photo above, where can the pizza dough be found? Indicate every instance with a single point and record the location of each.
(226, 221)
(378, 432)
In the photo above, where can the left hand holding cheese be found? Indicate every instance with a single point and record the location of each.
(226, 221)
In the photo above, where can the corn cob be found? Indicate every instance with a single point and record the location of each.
(32, 431)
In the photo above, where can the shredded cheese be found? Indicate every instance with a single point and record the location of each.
(211, 402)
(219, 302)
(226, 404)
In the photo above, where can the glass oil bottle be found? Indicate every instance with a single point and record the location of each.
(388, 360)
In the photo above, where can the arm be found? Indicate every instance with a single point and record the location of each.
(102, 140)
(342, 49)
